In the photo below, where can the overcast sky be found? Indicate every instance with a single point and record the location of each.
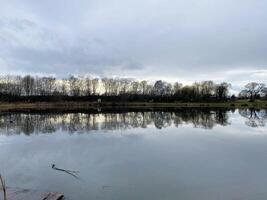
(174, 40)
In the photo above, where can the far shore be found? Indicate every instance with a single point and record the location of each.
(71, 105)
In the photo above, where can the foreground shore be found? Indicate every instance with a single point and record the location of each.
(5, 106)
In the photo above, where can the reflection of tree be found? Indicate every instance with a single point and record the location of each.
(16, 123)
(202, 118)
(221, 117)
(254, 117)
(28, 125)
(162, 119)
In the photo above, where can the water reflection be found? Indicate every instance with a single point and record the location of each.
(254, 117)
(34, 123)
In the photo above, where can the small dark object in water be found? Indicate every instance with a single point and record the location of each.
(106, 187)
(70, 172)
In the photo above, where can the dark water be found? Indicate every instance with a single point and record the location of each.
(182, 154)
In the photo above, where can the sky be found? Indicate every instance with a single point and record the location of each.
(172, 40)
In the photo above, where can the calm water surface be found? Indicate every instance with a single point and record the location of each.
(183, 154)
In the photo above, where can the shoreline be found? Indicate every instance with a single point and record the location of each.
(6, 106)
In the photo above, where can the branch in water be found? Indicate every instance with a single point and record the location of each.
(70, 172)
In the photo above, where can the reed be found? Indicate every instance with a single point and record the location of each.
(3, 187)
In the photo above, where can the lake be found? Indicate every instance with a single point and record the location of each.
(185, 154)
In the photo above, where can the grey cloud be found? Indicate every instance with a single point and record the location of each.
(185, 40)
(48, 52)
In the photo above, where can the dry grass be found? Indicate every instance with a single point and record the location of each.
(4, 106)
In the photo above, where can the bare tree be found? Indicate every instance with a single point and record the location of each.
(135, 87)
(105, 83)
(208, 88)
(17, 86)
(177, 87)
(143, 86)
(162, 88)
(253, 89)
(28, 85)
(95, 84)
(114, 86)
(88, 86)
(222, 90)
(64, 87)
(124, 84)
(75, 86)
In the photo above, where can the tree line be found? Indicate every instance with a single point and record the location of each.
(35, 88)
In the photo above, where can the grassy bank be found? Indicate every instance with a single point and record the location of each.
(4, 106)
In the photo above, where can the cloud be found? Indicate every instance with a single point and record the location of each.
(174, 40)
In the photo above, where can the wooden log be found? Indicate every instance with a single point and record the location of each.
(22, 194)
